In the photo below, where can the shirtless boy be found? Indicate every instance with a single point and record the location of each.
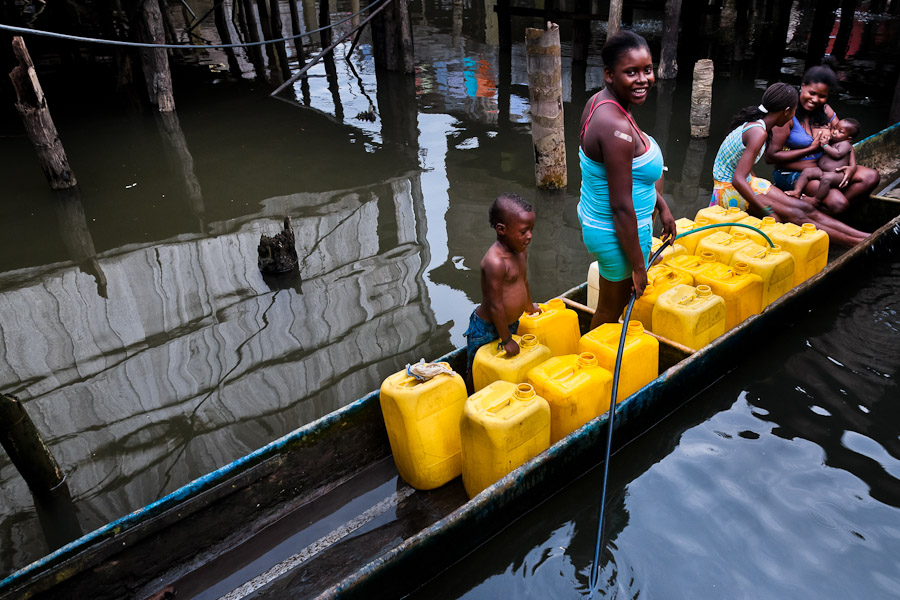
(504, 283)
(837, 163)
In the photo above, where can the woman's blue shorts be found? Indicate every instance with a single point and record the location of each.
(785, 180)
(604, 245)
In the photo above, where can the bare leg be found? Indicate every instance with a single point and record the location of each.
(797, 211)
(806, 175)
(611, 301)
(864, 181)
(834, 201)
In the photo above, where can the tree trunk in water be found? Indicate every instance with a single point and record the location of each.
(615, 18)
(26, 447)
(545, 98)
(155, 61)
(668, 65)
(701, 98)
(32, 107)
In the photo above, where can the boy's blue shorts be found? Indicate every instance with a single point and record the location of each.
(479, 333)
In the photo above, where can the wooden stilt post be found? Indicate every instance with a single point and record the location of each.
(456, 27)
(823, 23)
(391, 44)
(504, 35)
(155, 61)
(545, 98)
(325, 21)
(262, 7)
(256, 52)
(741, 28)
(668, 65)
(614, 24)
(26, 447)
(842, 40)
(225, 36)
(407, 58)
(701, 98)
(299, 45)
(581, 32)
(32, 106)
(277, 31)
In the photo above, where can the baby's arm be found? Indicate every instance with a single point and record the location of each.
(838, 151)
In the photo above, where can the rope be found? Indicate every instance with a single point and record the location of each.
(424, 371)
(78, 38)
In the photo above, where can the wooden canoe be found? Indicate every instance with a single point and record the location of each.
(233, 517)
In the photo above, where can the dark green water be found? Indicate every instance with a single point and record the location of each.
(134, 323)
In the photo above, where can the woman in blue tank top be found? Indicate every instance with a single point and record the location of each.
(800, 140)
(621, 175)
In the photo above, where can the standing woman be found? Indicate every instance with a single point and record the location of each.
(735, 185)
(620, 169)
(801, 140)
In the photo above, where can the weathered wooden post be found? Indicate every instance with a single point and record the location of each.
(823, 23)
(701, 98)
(407, 58)
(545, 98)
(32, 106)
(225, 35)
(256, 52)
(26, 448)
(581, 31)
(324, 21)
(155, 61)
(504, 33)
(668, 65)
(842, 40)
(614, 24)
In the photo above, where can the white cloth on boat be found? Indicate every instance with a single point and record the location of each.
(424, 371)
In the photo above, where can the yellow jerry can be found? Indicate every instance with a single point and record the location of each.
(738, 287)
(555, 327)
(492, 363)
(640, 358)
(723, 244)
(503, 426)
(775, 268)
(673, 249)
(717, 214)
(660, 278)
(690, 242)
(577, 389)
(767, 225)
(422, 421)
(807, 244)
(690, 316)
(692, 264)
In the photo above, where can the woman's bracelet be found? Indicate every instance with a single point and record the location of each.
(767, 210)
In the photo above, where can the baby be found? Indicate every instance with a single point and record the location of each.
(835, 165)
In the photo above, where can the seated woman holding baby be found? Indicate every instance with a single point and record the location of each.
(802, 140)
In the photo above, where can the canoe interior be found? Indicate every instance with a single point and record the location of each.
(231, 515)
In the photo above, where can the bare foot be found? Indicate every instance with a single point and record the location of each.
(793, 194)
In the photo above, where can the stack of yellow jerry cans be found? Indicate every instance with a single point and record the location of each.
(705, 285)
(712, 280)
(521, 405)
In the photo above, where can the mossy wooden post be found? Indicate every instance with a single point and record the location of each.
(701, 98)
(26, 448)
(614, 23)
(155, 61)
(545, 98)
(668, 66)
(32, 106)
